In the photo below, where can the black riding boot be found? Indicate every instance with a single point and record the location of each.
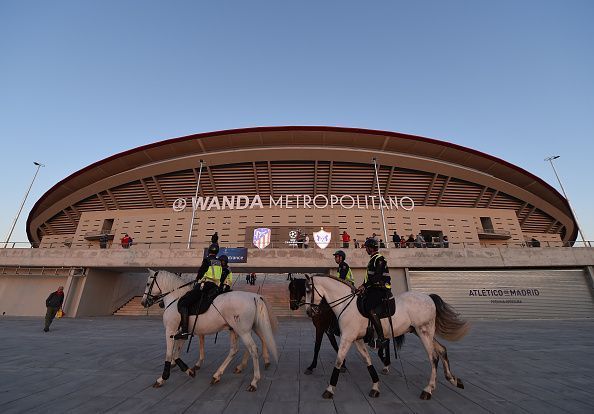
(381, 341)
(183, 326)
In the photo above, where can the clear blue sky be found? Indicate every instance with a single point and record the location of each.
(82, 80)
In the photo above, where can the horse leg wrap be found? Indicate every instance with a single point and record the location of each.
(166, 370)
(373, 373)
(334, 377)
(181, 364)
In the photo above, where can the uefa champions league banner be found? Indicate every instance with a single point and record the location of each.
(235, 254)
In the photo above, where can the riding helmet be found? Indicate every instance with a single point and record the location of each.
(371, 243)
(213, 249)
(224, 258)
(341, 254)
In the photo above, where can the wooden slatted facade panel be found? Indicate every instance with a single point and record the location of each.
(303, 177)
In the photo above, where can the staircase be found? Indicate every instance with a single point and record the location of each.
(134, 308)
(274, 287)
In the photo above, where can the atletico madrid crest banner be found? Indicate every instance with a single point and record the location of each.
(261, 237)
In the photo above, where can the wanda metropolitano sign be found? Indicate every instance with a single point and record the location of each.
(288, 201)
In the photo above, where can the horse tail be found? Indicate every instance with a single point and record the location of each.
(266, 324)
(448, 323)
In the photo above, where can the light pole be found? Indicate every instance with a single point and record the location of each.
(379, 193)
(550, 159)
(194, 206)
(39, 165)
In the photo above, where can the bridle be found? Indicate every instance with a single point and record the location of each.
(152, 299)
(315, 307)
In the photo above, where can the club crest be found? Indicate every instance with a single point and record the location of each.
(322, 238)
(261, 237)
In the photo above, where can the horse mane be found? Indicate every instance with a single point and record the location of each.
(169, 280)
(347, 284)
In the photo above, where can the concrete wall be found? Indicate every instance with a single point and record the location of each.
(26, 295)
(137, 258)
(104, 291)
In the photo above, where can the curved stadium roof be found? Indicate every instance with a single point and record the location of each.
(301, 160)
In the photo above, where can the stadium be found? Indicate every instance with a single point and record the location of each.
(484, 223)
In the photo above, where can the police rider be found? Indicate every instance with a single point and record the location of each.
(376, 288)
(344, 270)
(226, 275)
(207, 280)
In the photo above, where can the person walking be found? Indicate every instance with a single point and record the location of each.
(53, 303)
(214, 239)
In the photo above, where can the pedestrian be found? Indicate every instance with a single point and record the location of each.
(214, 239)
(356, 243)
(306, 241)
(346, 238)
(396, 239)
(53, 303)
(382, 245)
(103, 241)
(248, 278)
(126, 241)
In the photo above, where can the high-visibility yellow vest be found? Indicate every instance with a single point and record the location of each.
(214, 272)
(349, 276)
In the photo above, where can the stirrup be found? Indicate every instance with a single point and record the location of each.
(181, 335)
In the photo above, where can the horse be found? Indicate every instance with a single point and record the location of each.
(324, 321)
(424, 315)
(239, 311)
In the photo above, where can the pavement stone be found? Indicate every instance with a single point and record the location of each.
(108, 364)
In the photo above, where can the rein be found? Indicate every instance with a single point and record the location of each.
(152, 299)
(332, 304)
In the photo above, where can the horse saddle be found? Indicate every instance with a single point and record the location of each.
(384, 309)
(204, 303)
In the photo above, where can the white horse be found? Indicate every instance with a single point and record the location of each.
(239, 311)
(424, 315)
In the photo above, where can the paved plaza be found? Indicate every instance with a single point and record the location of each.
(109, 364)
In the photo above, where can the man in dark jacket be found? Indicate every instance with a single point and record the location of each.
(53, 303)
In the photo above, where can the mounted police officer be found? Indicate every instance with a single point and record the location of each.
(376, 288)
(344, 270)
(206, 287)
(226, 275)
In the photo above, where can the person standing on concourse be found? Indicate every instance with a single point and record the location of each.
(53, 303)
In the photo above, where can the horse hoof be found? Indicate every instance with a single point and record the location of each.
(251, 388)
(192, 372)
(237, 370)
(327, 395)
(459, 383)
(157, 384)
(214, 381)
(425, 395)
(308, 371)
(266, 365)
(385, 370)
(196, 368)
(374, 393)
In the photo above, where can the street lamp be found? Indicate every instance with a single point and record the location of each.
(550, 159)
(39, 165)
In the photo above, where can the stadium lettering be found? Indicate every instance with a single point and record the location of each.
(318, 201)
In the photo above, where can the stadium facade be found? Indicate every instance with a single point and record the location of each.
(171, 196)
